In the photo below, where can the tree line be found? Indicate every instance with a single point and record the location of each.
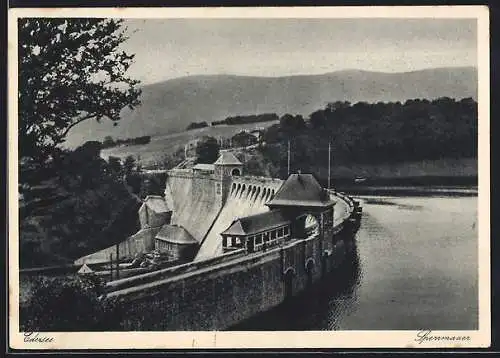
(370, 133)
(196, 125)
(235, 120)
(108, 141)
(252, 118)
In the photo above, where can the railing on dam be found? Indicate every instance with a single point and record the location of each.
(352, 204)
(181, 173)
(171, 271)
(147, 288)
(233, 261)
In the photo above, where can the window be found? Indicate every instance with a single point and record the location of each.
(258, 239)
(273, 234)
(280, 232)
(235, 172)
(218, 189)
(237, 241)
(266, 237)
(286, 231)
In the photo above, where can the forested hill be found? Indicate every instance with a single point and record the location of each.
(364, 133)
(171, 105)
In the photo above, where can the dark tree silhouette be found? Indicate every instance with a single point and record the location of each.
(207, 150)
(70, 70)
(129, 165)
(115, 166)
(371, 133)
(108, 142)
(48, 310)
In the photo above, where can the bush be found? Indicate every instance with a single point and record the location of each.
(196, 125)
(207, 150)
(69, 304)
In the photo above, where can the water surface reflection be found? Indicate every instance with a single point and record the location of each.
(414, 267)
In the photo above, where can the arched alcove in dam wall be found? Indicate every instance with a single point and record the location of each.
(247, 196)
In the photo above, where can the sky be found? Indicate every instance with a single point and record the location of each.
(170, 48)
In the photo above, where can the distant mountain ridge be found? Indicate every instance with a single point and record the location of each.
(169, 106)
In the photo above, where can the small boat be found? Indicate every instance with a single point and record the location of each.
(359, 179)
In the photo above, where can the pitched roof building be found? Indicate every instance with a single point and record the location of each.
(175, 234)
(256, 232)
(227, 158)
(154, 212)
(176, 242)
(156, 203)
(256, 223)
(301, 190)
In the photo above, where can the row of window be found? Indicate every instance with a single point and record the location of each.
(271, 235)
(258, 240)
(160, 244)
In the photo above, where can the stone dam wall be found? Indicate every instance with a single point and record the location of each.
(192, 199)
(246, 196)
(217, 293)
(217, 290)
(196, 207)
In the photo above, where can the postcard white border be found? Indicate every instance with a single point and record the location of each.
(302, 339)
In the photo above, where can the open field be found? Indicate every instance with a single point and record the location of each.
(167, 144)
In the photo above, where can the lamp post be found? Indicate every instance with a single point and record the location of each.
(329, 164)
(288, 166)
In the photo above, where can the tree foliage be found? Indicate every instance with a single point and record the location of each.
(207, 150)
(129, 165)
(69, 304)
(252, 118)
(76, 207)
(169, 161)
(70, 70)
(196, 125)
(243, 139)
(370, 133)
(115, 166)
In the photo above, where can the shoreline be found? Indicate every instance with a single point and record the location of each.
(380, 190)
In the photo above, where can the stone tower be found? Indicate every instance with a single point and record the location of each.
(302, 195)
(225, 167)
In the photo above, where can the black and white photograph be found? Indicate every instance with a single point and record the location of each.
(258, 177)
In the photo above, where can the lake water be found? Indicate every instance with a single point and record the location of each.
(415, 267)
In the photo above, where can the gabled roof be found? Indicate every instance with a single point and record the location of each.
(227, 158)
(156, 203)
(85, 269)
(301, 190)
(201, 166)
(256, 223)
(175, 234)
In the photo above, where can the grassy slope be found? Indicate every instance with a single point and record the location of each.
(161, 145)
(167, 144)
(169, 106)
